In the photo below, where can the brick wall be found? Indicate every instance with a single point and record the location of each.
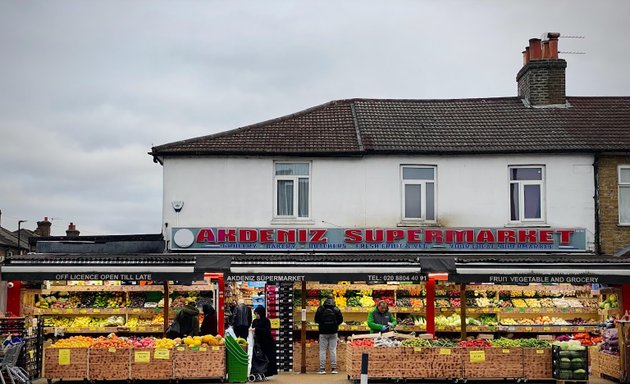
(612, 236)
(542, 82)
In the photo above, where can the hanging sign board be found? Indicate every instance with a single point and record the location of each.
(406, 239)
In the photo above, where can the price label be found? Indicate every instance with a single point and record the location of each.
(111, 350)
(354, 328)
(161, 353)
(82, 310)
(485, 310)
(445, 351)
(581, 329)
(506, 351)
(535, 309)
(141, 329)
(564, 329)
(142, 357)
(64, 357)
(477, 356)
(308, 345)
(443, 309)
(522, 310)
(202, 349)
(540, 351)
(275, 323)
(404, 309)
(508, 309)
(546, 329)
(93, 329)
(417, 349)
(56, 311)
(180, 348)
(474, 328)
(528, 329)
(96, 310)
(116, 310)
(69, 310)
(135, 310)
(215, 348)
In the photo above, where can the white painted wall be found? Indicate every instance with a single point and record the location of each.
(472, 191)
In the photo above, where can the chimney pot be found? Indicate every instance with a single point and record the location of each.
(527, 55)
(545, 49)
(534, 49)
(553, 45)
(43, 227)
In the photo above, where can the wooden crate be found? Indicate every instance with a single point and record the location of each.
(76, 369)
(537, 363)
(109, 363)
(594, 361)
(312, 357)
(447, 362)
(610, 365)
(397, 362)
(208, 362)
(156, 369)
(493, 363)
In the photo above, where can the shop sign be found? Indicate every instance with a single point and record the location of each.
(104, 276)
(325, 277)
(407, 239)
(531, 279)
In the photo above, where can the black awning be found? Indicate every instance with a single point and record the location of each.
(327, 268)
(127, 267)
(514, 269)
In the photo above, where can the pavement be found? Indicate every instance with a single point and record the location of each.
(313, 378)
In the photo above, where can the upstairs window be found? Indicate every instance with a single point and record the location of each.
(418, 189)
(527, 193)
(624, 194)
(292, 190)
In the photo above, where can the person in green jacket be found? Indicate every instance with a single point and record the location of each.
(380, 319)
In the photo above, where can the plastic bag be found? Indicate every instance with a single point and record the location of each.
(230, 331)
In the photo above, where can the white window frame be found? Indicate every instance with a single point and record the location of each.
(295, 179)
(423, 194)
(521, 195)
(621, 185)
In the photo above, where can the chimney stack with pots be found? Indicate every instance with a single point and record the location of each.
(541, 81)
(43, 228)
(72, 231)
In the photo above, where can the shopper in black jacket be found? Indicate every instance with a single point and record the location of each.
(328, 317)
(261, 327)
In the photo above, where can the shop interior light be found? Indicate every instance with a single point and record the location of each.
(442, 276)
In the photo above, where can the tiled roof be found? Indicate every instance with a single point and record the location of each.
(363, 126)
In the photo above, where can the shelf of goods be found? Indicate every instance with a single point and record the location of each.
(489, 308)
(113, 358)
(441, 359)
(89, 309)
(20, 330)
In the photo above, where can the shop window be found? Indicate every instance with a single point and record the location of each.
(624, 194)
(527, 193)
(418, 193)
(292, 190)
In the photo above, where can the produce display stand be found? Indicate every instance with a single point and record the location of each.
(109, 363)
(65, 363)
(491, 363)
(450, 363)
(150, 363)
(609, 365)
(202, 363)
(312, 357)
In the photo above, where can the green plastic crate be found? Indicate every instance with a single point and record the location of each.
(237, 361)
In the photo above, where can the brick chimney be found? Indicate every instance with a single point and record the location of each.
(541, 81)
(72, 231)
(43, 228)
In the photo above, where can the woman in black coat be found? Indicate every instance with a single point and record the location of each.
(262, 334)
(209, 323)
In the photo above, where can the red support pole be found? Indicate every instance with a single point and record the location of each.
(13, 298)
(221, 305)
(625, 297)
(430, 286)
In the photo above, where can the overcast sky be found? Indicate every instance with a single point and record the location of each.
(88, 87)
